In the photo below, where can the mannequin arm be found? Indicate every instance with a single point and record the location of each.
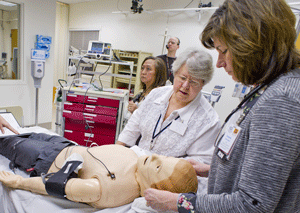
(78, 190)
(34, 184)
(83, 190)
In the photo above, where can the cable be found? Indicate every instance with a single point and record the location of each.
(104, 74)
(75, 73)
(116, 57)
(118, 5)
(106, 69)
(87, 124)
(85, 120)
(188, 4)
(87, 127)
(112, 175)
(59, 168)
(59, 80)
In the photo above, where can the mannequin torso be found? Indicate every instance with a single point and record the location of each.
(123, 165)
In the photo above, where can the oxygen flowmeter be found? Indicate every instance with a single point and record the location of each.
(37, 73)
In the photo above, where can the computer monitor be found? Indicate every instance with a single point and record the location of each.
(99, 49)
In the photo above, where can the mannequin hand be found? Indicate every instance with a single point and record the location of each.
(161, 200)
(200, 168)
(10, 180)
(132, 106)
(4, 123)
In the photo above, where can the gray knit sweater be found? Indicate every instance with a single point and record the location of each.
(263, 173)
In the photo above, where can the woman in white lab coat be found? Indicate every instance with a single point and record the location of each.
(177, 120)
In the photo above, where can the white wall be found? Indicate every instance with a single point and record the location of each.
(144, 32)
(135, 31)
(38, 18)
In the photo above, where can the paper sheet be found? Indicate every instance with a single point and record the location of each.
(9, 117)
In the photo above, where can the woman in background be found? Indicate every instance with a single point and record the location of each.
(153, 74)
(256, 164)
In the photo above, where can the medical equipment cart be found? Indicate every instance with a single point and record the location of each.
(93, 117)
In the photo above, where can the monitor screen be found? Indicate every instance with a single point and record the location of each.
(99, 47)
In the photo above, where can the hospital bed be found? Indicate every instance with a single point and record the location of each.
(20, 201)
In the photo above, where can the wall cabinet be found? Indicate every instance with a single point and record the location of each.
(137, 58)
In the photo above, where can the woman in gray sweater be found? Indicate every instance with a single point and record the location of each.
(256, 163)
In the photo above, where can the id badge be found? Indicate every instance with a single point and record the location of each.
(178, 127)
(228, 140)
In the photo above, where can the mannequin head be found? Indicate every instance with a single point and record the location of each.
(166, 173)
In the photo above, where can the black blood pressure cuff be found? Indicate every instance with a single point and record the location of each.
(186, 202)
(56, 184)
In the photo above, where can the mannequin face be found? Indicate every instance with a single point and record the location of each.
(153, 169)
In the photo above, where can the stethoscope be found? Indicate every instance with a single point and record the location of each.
(246, 98)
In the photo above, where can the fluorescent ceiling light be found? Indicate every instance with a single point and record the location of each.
(5, 3)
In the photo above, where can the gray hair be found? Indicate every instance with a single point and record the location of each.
(199, 64)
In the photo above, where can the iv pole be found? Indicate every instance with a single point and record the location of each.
(37, 73)
(165, 36)
(36, 105)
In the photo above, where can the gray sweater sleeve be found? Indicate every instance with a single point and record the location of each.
(268, 171)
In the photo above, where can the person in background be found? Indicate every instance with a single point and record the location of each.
(153, 74)
(177, 120)
(170, 57)
(256, 164)
(4, 123)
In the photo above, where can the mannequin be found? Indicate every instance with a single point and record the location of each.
(94, 186)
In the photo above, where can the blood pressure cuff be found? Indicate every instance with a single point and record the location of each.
(56, 184)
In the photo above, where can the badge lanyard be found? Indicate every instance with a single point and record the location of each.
(155, 135)
(227, 140)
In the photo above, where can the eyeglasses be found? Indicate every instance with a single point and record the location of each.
(192, 83)
(172, 42)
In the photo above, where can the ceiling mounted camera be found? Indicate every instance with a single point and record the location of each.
(136, 7)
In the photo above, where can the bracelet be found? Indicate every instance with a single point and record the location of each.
(186, 202)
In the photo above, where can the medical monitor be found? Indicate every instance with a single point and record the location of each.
(99, 49)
